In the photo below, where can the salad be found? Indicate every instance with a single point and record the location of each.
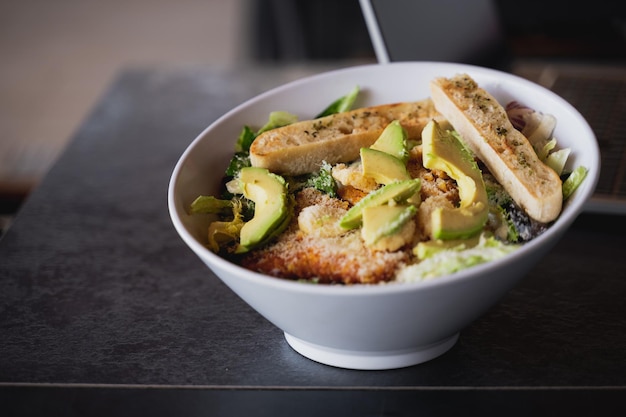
(411, 206)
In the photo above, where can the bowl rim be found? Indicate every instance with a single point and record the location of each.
(567, 216)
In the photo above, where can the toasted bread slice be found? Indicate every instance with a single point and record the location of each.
(483, 124)
(301, 147)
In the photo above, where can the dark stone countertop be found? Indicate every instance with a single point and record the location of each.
(102, 305)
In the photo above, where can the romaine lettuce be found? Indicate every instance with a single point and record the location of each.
(573, 181)
(449, 261)
(341, 104)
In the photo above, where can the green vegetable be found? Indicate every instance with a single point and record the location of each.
(224, 234)
(393, 140)
(448, 261)
(278, 119)
(234, 192)
(245, 139)
(512, 234)
(210, 205)
(429, 248)
(341, 104)
(557, 159)
(396, 192)
(512, 223)
(443, 151)
(573, 181)
(238, 161)
(272, 209)
(546, 149)
(323, 180)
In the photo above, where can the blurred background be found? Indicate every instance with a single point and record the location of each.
(58, 57)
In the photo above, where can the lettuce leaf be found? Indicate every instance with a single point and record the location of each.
(341, 104)
(210, 205)
(573, 181)
(457, 258)
(278, 119)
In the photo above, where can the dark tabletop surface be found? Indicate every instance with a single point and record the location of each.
(105, 311)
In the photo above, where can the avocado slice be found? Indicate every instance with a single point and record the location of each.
(271, 209)
(382, 167)
(397, 191)
(443, 151)
(393, 140)
(383, 225)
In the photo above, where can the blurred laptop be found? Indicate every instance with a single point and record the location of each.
(473, 32)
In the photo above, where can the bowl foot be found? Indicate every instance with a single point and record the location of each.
(351, 359)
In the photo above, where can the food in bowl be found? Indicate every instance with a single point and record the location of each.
(390, 193)
(407, 323)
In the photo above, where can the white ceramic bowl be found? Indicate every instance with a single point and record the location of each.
(380, 326)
